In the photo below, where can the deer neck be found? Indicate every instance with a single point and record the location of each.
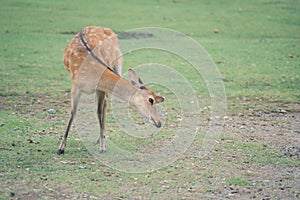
(117, 86)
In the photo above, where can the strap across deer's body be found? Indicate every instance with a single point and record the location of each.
(84, 43)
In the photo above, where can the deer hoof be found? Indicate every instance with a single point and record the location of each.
(102, 151)
(60, 151)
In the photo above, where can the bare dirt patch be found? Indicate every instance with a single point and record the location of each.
(277, 128)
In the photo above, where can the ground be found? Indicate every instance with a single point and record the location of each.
(257, 157)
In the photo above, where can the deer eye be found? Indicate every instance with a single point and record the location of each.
(151, 101)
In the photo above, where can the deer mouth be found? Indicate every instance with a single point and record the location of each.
(157, 124)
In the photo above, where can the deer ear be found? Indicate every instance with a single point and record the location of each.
(159, 99)
(134, 79)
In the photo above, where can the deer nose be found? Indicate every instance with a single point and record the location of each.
(158, 125)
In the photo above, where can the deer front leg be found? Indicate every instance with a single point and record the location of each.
(74, 102)
(101, 113)
(61, 149)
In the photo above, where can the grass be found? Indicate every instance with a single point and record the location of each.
(256, 51)
(237, 181)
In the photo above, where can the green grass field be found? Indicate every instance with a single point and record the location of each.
(257, 51)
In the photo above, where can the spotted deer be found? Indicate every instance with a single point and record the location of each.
(94, 61)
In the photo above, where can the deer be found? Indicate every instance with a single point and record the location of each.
(94, 60)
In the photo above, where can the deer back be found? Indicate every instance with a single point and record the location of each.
(104, 43)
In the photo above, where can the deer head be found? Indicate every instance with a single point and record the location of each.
(144, 99)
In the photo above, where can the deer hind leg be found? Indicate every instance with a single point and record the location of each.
(74, 102)
(101, 100)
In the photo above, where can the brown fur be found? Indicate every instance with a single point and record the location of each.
(95, 36)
